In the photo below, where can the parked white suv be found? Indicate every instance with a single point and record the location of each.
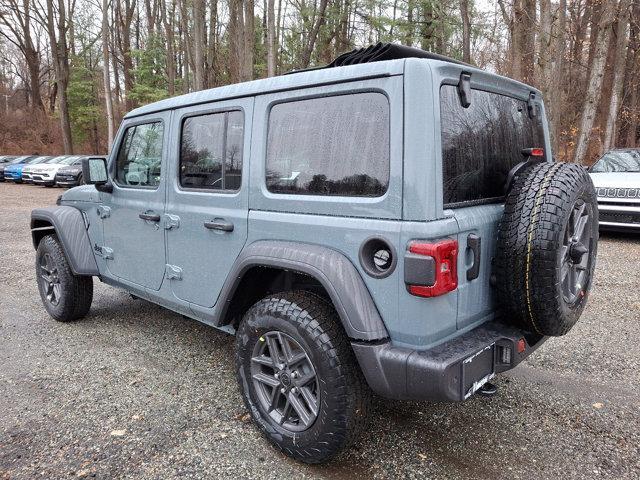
(45, 174)
(616, 176)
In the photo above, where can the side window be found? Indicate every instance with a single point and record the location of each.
(140, 156)
(335, 145)
(211, 151)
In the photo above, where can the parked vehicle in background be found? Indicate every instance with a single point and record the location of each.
(395, 225)
(71, 175)
(26, 170)
(4, 160)
(616, 176)
(45, 174)
(13, 171)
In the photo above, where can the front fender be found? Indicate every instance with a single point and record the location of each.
(332, 269)
(68, 224)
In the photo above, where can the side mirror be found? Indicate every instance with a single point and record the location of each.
(94, 171)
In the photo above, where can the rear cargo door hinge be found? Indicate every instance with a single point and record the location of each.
(104, 252)
(173, 272)
(464, 89)
(532, 107)
(104, 211)
(171, 221)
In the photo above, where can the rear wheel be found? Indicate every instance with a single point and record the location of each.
(298, 376)
(65, 296)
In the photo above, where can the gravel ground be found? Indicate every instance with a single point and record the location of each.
(135, 391)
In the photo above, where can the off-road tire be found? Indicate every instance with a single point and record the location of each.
(531, 257)
(344, 397)
(75, 292)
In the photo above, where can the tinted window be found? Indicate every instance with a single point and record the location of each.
(480, 144)
(330, 146)
(211, 151)
(140, 156)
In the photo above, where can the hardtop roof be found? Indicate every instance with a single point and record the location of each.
(307, 79)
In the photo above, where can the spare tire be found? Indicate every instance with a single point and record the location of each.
(546, 249)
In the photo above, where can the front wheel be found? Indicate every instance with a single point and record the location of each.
(298, 376)
(65, 296)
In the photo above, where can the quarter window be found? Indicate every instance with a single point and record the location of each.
(211, 151)
(140, 156)
(335, 145)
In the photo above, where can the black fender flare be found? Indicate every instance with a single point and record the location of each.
(335, 272)
(69, 225)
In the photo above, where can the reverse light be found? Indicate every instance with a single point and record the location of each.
(444, 256)
(522, 345)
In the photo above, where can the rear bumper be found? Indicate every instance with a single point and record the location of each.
(452, 371)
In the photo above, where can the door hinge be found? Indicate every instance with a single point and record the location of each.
(172, 272)
(104, 211)
(171, 221)
(104, 252)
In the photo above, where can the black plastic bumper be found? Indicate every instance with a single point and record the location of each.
(451, 371)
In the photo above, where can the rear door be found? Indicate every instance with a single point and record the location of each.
(207, 198)
(480, 145)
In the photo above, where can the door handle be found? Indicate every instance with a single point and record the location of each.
(152, 217)
(474, 242)
(219, 224)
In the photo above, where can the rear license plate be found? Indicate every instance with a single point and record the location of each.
(477, 370)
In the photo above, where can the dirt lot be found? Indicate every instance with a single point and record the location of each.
(135, 391)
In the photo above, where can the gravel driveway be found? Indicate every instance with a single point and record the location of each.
(135, 391)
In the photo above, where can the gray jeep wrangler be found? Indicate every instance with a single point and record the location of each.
(392, 223)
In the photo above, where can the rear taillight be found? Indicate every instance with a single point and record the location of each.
(443, 256)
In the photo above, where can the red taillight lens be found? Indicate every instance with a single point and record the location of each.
(445, 255)
(537, 152)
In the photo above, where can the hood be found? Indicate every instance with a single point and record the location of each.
(46, 168)
(71, 169)
(616, 179)
(14, 168)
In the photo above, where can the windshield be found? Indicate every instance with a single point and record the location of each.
(68, 161)
(57, 159)
(19, 159)
(37, 160)
(618, 161)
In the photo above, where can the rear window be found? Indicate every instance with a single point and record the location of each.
(481, 143)
(330, 146)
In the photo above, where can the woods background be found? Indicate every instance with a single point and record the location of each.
(69, 69)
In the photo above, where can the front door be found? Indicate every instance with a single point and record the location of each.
(207, 198)
(133, 232)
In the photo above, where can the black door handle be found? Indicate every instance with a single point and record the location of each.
(219, 224)
(152, 217)
(474, 242)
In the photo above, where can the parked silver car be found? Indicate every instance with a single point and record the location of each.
(616, 177)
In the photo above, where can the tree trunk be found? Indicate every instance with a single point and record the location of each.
(249, 39)
(594, 87)
(313, 34)
(198, 44)
(622, 41)
(271, 38)
(59, 52)
(557, 95)
(106, 77)
(466, 31)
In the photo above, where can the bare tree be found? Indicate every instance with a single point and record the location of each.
(622, 42)
(466, 31)
(106, 77)
(57, 27)
(271, 38)
(198, 44)
(594, 87)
